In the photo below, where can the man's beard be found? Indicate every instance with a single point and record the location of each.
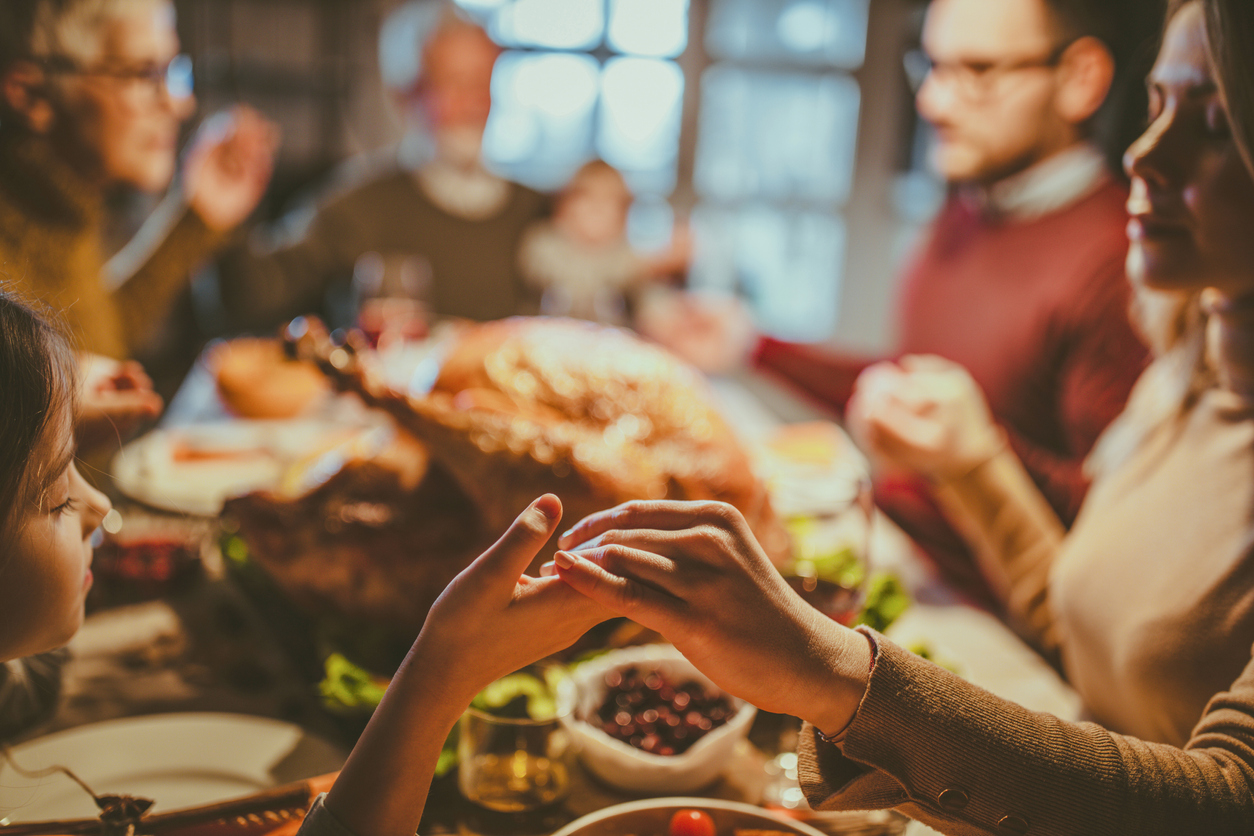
(456, 179)
(460, 147)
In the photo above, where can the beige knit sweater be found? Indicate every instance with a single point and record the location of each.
(1148, 606)
(50, 251)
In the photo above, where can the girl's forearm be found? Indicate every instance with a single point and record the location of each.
(383, 787)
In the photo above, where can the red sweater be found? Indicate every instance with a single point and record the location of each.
(1037, 311)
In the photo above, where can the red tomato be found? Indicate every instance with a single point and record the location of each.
(691, 823)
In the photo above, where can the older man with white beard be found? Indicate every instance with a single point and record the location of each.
(431, 205)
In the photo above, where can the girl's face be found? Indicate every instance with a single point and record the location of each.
(45, 560)
(1192, 199)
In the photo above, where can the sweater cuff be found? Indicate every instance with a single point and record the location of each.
(320, 821)
(963, 760)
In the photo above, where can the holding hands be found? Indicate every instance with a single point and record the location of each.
(693, 572)
(926, 415)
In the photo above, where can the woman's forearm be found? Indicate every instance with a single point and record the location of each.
(1015, 535)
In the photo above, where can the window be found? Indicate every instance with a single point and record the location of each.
(776, 128)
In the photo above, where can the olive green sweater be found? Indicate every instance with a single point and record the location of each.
(50, 251)
(1147, 604)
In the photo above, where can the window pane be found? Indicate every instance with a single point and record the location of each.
(480, 7)
(649, 27)
(776, 135)
(650, 223)
(788, 264)
(828, 32)
(639, 122)
(550, 24)
(540, 129)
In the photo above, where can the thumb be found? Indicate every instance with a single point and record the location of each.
(508, 557)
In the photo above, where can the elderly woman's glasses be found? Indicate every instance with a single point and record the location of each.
(175, 78)
(974, 81)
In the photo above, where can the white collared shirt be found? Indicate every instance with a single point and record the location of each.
(1052, 184)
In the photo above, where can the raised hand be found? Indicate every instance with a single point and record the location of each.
(228, 166)
(926, 415)
(693, 572)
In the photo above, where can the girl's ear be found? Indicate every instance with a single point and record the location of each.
(24, 94)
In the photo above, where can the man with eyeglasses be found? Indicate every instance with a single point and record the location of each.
(92, 96)
(1021, 277)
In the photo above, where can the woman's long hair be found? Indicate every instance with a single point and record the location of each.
(1230, 42)
(1173, 324)
(37, 390)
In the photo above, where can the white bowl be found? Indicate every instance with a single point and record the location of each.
(653, 816)
(626, 767)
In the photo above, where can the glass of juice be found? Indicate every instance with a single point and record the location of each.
(514, 755)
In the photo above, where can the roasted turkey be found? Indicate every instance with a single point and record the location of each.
(520, 407)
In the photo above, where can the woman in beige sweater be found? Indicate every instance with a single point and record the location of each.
(1148, 603)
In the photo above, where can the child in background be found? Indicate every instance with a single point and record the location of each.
(581, 261)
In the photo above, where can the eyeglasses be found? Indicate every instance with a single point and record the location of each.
(974, 81)
(175, 78)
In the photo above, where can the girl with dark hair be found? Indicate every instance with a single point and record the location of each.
(46, 512)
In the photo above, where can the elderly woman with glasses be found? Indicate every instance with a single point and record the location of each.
(92, 94)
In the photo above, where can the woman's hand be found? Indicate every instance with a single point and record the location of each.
(114, 399)
(228, 167)
(927, 415)
(694, 573)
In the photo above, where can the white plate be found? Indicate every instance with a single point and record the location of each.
(238, 457)
(178, 760)
(652, 816)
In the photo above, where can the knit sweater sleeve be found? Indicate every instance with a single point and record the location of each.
(819, 372)
(154, 268)
(966, 762)
(1015, 536)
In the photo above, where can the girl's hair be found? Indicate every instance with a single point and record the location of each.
(1174, 324)
(37, 391)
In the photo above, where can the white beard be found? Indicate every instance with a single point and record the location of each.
(456, 180)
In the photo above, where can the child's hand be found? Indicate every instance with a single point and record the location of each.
(490, 621)
(493, 619)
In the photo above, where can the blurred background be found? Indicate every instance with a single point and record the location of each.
(783, 129)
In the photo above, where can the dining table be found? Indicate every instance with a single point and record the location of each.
(208, 646)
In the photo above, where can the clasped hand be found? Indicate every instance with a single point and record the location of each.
(926, 415)
(693, 572)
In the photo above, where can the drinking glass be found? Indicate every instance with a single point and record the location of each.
(820, 486)
(513, 765)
